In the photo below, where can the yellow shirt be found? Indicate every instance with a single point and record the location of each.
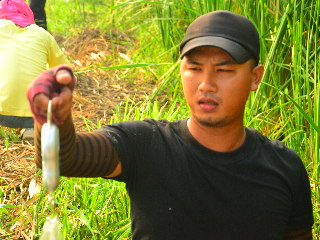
(24, 54)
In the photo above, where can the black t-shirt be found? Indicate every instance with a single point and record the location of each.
(180, 189)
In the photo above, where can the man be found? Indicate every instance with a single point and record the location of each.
(26, 50)
(205, 177)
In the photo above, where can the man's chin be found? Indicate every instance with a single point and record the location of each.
(209, 122)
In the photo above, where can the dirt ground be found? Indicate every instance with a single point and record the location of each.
(97, 94)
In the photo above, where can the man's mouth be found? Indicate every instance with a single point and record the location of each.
(208, 104)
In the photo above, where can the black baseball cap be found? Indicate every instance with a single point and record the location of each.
(226, 30)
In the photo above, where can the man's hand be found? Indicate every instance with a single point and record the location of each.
(57, 84)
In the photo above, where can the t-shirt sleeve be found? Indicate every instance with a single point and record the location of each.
(56, 55)
(302, 212)
(131, 139)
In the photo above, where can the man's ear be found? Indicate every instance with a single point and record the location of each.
(256, 76)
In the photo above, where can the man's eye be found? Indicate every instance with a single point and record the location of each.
(224, 70)
(194, 68)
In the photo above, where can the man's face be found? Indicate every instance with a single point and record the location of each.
(216, 87)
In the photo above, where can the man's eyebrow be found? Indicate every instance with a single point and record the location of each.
(193, 61)
(225, 62)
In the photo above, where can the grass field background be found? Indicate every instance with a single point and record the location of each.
(286, 106)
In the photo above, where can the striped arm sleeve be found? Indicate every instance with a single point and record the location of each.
(81, 154)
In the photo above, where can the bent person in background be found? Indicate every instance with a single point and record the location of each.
(204, 177)
(26, 50)
(38, 9)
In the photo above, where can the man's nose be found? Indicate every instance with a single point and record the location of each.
(208, 82)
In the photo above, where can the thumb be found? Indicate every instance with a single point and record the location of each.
(64, 77)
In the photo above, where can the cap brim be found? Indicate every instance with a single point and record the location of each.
(235, 50)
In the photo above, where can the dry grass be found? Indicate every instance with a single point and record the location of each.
(97, 94)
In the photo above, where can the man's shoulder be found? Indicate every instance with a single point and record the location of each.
(148, 123)
(272, 145)
(142, 127)
(275, 154)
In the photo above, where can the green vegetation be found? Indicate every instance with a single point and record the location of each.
(286, 106)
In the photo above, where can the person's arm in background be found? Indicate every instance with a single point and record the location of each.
(82, 154)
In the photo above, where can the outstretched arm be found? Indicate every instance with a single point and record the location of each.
(82, 154)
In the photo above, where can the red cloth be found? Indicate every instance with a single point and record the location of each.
(46, 84)
(16, 11)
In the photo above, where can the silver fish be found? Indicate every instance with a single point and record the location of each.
(50, 147)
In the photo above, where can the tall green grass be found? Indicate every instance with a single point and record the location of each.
(286, 106)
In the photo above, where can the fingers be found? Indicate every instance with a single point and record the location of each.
(39, 108)
(41, 101)
(62, 105)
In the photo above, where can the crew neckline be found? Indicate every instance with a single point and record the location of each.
(220, 157)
